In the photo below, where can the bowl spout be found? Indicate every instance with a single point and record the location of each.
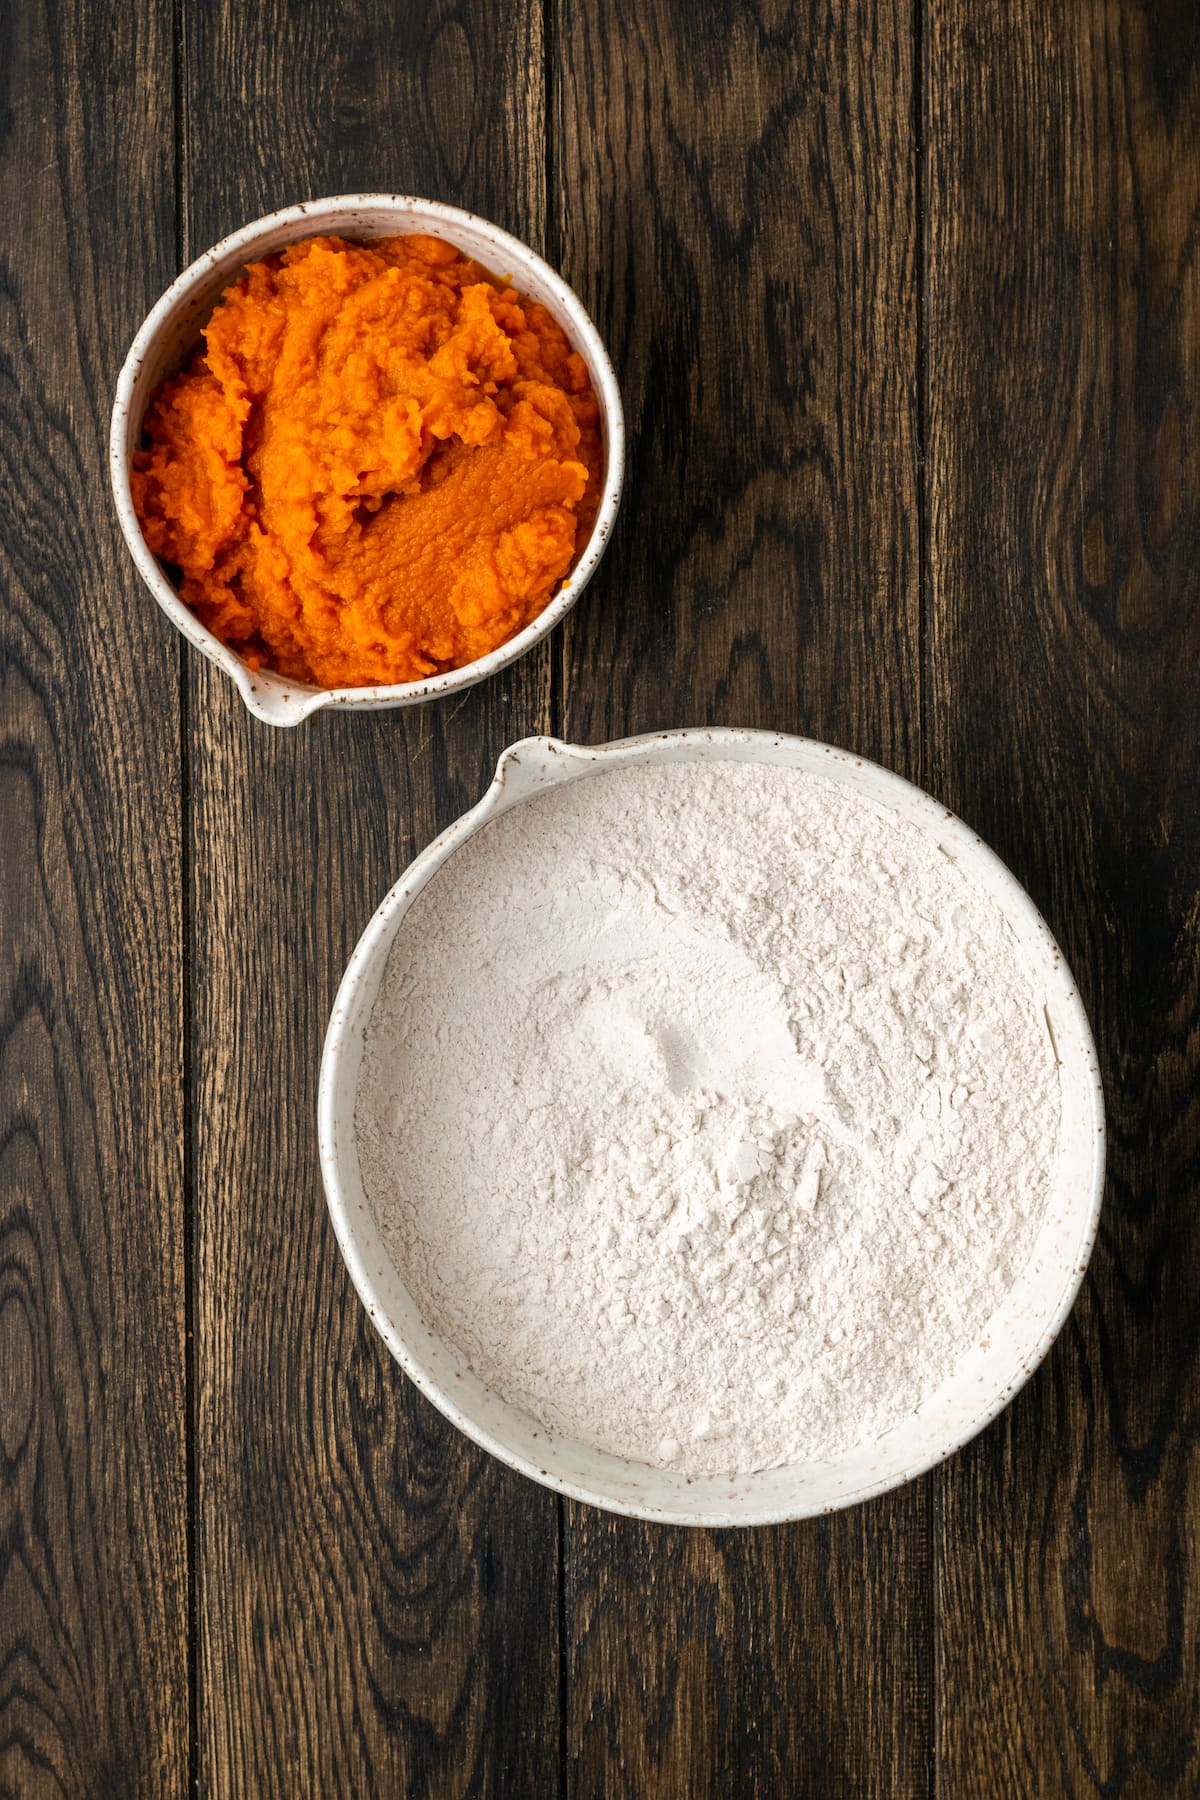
(272, 699)
(534, 763)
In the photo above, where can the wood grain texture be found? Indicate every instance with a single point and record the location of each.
(93, 1535)
(378, 1606)
(1064, 642)
(736, 199)
(738, 206)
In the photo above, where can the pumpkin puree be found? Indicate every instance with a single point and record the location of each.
(378, 465)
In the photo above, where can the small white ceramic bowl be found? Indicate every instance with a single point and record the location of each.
(1020, 1331)
(173, 329)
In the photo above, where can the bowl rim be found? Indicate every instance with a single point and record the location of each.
(378, 935)
(262, 691)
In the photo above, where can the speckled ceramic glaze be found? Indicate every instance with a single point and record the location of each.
(172, 330)
(1017, 1336)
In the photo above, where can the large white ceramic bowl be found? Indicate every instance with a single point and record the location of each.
(172, 331)
(1020, 1331)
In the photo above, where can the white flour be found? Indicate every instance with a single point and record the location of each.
(709, 1111)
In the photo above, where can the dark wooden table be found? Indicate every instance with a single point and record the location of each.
(905, 303)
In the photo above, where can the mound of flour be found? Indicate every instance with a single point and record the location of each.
(709, 1110)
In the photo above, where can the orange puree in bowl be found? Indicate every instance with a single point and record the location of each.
(380, 463)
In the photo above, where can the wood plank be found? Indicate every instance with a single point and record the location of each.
(93, 1504)
(1064, 479)
(378, 1600)
(737, 206)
